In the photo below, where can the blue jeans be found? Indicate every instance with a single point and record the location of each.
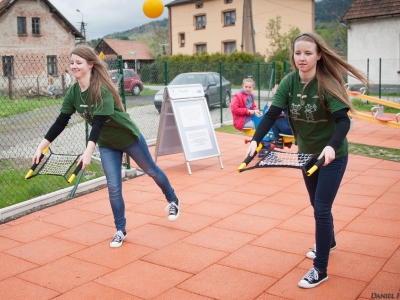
(111, 159)
(281, 126)
(322, 188)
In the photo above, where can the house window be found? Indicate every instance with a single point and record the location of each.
(21, 23)
(228, 1)
(35, 25)
(201, 48)
(229, 47)
(200, 22)
(52, 65)
(229, 18)
(8, 66)
(199, 5)
(182, 39)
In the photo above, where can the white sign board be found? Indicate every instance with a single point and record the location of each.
(185, 125)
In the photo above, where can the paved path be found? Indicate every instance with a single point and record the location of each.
(239, 236)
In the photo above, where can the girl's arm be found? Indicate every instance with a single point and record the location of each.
(236, 108)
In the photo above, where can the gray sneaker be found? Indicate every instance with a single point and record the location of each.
(312, 254)
(173, 208)
(119, 236)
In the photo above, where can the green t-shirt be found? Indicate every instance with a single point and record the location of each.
(119, 131)
(312, 125)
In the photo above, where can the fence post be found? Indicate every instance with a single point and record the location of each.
(166, 72)
(380, 77)
(274, 67)
(284, 68)
(259, 84)
(220, 92)
(38, 88)
(10, 91)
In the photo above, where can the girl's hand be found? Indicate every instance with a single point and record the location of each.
(36, 157)
(329, 154)
(85, 158)
(251, 149)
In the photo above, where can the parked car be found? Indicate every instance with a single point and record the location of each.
(132, 81)
(211, 85)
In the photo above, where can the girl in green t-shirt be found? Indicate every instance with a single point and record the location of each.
(317, 103)
(96, 99)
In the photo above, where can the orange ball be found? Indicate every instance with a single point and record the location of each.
(153, 8)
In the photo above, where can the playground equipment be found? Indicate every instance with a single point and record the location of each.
(377, 112)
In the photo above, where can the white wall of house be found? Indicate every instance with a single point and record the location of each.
(375, 39)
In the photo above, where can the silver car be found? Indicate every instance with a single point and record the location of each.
(211, 85)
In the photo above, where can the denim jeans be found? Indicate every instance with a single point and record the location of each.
(322, 188)
(111, 160)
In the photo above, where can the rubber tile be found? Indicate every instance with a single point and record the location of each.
(95, 291)
(188, 180)
(333, 289)
(395, 188)
(351, 200)
(6, 243)
(248, 223)
(382, 173)
(272, 210)
(214, 209)
(93, 196)
(152, 207)
(33, 216)
(384, 283)
(133, 220)
(143, 275)
(345, 213)
(187, 222)
(286, 241)
(389, 197)
(71, 217)
(187, 197)
(236, 198)
(374, 180)
(219, 239)
(221, 282)
(44, 250)
(382, 211)
(12, 266)
(350, 265)
(389, 165)
(367, 244)
(299, 223)
(393, 264)
(18, 289)
(263, 261)
(265, 296)
(279, 180)
(30, 231)
(137, 197)
(374, 226)
(209, 188)
(363, 189)
(113, 258)
(258, 189)
(174, 294)
(87, 234)
(64, 274)
(155, 236)
(289, 198)
(350, 174)
(232, 179)
(185, 257)
(101, 207)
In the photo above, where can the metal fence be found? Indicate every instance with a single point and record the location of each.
(27, 111)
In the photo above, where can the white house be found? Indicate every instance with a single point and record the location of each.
(373, 40)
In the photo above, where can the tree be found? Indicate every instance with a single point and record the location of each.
(280, 42)
(157, 41)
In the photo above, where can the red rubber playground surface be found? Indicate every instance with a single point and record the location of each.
(239, 236)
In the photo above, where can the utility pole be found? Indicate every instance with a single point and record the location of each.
(83, 31)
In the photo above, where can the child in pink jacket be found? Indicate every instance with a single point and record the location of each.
(243, 106)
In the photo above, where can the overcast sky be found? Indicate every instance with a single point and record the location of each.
(104, 16)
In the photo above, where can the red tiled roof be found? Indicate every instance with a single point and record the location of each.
(123, 47)
(3, 3)
(361, 9)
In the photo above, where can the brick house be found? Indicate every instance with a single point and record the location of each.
(228, 25)
(134, 53)
(36, 40)
(373, 33)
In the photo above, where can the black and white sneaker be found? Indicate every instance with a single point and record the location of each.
(119, 236)
(312, 279)
(312, 254)
(173, 208)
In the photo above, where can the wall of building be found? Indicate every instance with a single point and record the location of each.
(298, 13)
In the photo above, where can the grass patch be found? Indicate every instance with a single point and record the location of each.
(354, 148)
(362, 105)
(12, 182)
(19, 106)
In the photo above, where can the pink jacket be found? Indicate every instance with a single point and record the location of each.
(239, 110)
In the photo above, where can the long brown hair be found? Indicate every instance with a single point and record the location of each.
(331, 70)
(99, 76)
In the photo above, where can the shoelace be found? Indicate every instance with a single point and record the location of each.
(311, 275)
(171, 207)
(118, 237)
